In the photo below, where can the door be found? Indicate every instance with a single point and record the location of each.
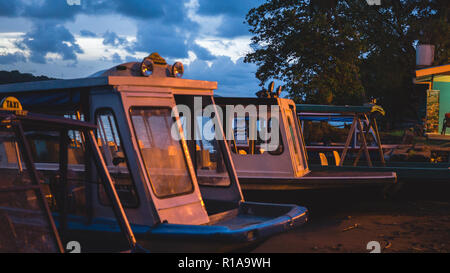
(163, 155)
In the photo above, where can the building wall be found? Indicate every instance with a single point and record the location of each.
(444, 101)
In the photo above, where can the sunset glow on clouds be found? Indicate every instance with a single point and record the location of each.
(55, 39)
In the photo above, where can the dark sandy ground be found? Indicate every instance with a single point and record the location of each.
(416, 219)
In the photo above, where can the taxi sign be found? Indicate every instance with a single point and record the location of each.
(12, 104)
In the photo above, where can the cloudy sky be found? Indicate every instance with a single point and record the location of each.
(76, 38)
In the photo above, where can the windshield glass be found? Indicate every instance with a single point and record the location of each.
(24, 224)
(211, 169)
(113, 152)
(241, 143)
(162, 155)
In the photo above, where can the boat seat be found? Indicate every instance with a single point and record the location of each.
(337, 158)
(242, 152)
(323, 159)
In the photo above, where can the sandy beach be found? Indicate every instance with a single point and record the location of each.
(416, 219)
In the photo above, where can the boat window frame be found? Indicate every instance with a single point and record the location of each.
(292, 130)
(233, 146)
(23, 149)
(138, 203)
(192, 176)
(221, 145)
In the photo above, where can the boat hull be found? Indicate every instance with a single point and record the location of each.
(245, 228)
(323, 179)
(405, 171)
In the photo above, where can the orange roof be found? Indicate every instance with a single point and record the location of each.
(434, 70)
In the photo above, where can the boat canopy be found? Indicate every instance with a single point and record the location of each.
(362, 118)
(325, 117)
(340, 109)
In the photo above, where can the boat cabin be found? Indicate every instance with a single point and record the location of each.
(282, 165)
(366, 141)
(170, 204)
(29, 191)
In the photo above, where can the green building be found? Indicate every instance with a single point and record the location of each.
(438, 95)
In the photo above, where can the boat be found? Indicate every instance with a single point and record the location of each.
(284, 166)
(26, 195)
(134, 108)
(363, 120)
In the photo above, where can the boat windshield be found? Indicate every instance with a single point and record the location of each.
(162, 155)
(24, 224)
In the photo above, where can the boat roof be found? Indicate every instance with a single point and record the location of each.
(84, 83)
(320, 117)
(66, 94)
(40, 120)
(245, 100)
(327, 110)
(126, 74)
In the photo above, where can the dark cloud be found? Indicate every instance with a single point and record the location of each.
(12, 58)
(51, 10)
(87, 33)
(47, 38)
(230, 7)
(168, 35)
(201, 52)
(112, 39)
(233, 12)
(234, 79)
(162, 26)
(232, 27)
(10, 8)
(60, 9)
(161, 38)
(142, 9)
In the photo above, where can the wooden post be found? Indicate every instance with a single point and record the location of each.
(347, 142)
(380, 147)
(358, 156)
(364, 142)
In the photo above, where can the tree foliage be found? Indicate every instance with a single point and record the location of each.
(349, 51)
(15, 76)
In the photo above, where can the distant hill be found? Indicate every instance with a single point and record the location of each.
(16, 76)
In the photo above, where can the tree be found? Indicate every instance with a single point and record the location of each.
(314, 51)
(349, 52)
(391, 33)
(15, 76)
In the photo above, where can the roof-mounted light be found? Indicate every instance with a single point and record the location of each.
(147, 67)
(177, 70)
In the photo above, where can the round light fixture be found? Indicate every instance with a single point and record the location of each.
(177, 70)
(147, 67)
